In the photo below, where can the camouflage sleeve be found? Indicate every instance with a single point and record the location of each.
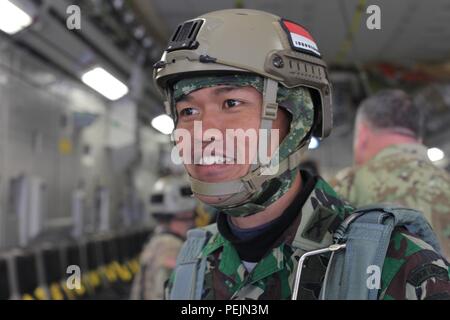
(413, 270)
(161, 276)
(157, 261)
(149, 284)
(135, 287)
(165, 267)
(343, 182)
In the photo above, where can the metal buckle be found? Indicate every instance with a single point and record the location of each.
(332, 248)
(250, 186)
(270, 111)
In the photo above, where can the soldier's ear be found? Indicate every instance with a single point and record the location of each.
(361, 141)
(366, 134)
(283, 123)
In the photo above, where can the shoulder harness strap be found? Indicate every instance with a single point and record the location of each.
(190, 268)
(367, 234)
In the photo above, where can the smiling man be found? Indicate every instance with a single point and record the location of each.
(281, 233)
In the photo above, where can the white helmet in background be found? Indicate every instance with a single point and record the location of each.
(171, 195)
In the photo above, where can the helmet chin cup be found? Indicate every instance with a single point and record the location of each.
(241, 192)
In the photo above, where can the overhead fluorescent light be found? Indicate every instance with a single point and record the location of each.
(105, 83)
(313, 144)
(163, 124)
(435, 154)
(12, 18)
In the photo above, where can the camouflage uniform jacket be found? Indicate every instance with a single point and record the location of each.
(402, 174)
(412, 269)
(157, 261)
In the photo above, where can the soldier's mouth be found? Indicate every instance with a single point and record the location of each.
(215, 160)
(216, 169)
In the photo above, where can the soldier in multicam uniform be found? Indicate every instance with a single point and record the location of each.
(246, 69)
(392, 164)
(174, 210)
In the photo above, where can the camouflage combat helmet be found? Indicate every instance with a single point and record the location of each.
(277, 57)
(171, 195)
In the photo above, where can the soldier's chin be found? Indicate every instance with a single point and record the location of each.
(211, 200)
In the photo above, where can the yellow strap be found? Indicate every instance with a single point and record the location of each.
(124, 273)
(81, 291)
(69, 292)
(135, 266)
(94, 279)
(86, 284)
(73, 292)
(55, 292)
(111, 273)
(40, 293)
(351, 32)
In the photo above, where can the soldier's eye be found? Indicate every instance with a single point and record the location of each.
(230, 103)
(186, 112)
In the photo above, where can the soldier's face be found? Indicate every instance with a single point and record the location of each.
(221, 108)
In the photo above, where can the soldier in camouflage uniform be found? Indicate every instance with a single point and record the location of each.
(392, 165)
(246, 69)
(174, 210)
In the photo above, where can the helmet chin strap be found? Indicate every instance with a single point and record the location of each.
(240, 191)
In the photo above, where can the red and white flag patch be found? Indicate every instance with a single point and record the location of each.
(300, 38)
